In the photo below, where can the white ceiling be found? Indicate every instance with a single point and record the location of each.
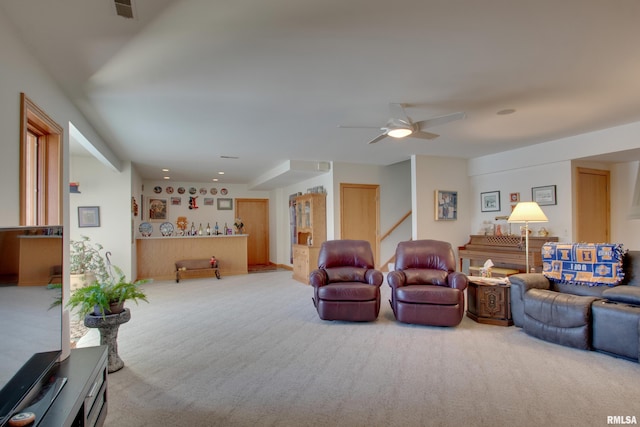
(268, 81)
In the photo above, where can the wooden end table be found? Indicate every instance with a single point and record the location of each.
(489, 301)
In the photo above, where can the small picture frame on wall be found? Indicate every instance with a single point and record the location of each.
(514, 197)
(490, 201)
(225, 204)
(544, 196)
(88, 216)
(446, 203)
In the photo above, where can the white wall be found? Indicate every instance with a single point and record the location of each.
(22, 73)
(623, 182)
(552, 163)
(438, 173)
(110, 191)
(521, 181)
(204, 214)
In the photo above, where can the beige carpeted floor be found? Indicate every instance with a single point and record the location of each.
(251, 351)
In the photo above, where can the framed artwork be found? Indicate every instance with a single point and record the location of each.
(88, 216)
(176, 201)
(157, 209)
(544, 196)
(490, 201)
(446, 205)
(225, 204)
(208, 201)
(514, 197)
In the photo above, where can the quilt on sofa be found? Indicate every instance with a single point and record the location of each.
(591, 264)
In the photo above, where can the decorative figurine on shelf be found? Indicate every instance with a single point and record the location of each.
(182, 224)
(238, 226)
(193, 202)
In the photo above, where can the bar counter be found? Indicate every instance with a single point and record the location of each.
(156, 256)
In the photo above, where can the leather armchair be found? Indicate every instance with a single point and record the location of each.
(425, 288)
(346, 286)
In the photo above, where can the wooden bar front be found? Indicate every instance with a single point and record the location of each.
(156, 256)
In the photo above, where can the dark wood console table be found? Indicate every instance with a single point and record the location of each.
(503, 251)
(83, 399)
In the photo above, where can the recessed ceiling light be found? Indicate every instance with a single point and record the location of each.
(220, 173)
(506, 111)
(165, 170)
(215, 179)
(167, 177)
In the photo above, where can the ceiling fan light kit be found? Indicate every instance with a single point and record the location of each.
(399, 133)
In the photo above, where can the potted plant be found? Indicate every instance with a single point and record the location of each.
(101, 305)
(102, 298)
(86, 263)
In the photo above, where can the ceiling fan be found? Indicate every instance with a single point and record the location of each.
(400, 124)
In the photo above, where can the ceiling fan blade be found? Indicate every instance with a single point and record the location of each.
(397, 112)
(378, 138)
(359, 127)
(424, 135)
(436, 121)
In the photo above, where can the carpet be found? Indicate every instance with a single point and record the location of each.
(250, 350)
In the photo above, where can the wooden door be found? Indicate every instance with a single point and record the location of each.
(255, 217)
(592, 206)
(360, 214)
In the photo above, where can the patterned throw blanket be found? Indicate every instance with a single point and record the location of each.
(591, 264)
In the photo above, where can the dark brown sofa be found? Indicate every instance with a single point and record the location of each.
(346, 285)
(601, 318)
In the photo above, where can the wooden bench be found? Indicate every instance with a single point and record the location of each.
(196, 267)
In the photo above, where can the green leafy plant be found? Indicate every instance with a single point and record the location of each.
(86, 257)
(100, 297)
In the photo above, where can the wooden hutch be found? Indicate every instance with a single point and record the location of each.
(311, 231)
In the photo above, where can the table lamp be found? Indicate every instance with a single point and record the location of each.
(527, 212)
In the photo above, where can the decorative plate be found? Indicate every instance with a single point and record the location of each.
(146, 229)
(214, 191)
(166, 228)
(224, 191)
(203, 191)
(157, 189)
(169, 190)
(192, 190)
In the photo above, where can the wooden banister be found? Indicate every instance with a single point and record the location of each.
(394, 226)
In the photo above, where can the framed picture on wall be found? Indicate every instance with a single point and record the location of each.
(446, 205)
(225, 204)
(158, 209)
(544, 196)
(490, 201)
(88, 216)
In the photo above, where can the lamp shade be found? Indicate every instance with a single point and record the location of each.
(527, 212)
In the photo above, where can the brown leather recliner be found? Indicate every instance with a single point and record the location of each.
(346, 285)
(425, 288)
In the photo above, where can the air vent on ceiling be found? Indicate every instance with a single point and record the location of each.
(124, 8)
